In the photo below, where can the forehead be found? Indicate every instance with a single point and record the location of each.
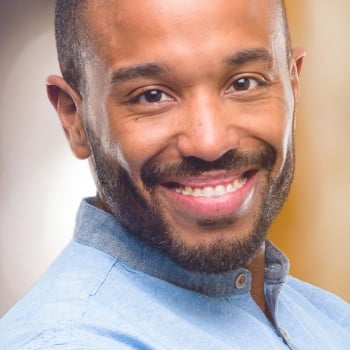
(155, 29)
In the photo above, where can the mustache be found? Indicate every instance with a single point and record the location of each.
(264, 158)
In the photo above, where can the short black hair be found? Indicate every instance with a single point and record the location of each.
(72, 39)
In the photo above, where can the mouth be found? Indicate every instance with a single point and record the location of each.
(211, 195)
(211, 191)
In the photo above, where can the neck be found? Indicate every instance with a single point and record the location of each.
(257, 270)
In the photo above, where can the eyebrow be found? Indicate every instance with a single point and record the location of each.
(249, 55)
(147, 70)
(153, 70)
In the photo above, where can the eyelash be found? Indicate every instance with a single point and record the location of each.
(259, 81)
(136, 99)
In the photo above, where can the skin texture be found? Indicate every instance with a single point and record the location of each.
(204, 130)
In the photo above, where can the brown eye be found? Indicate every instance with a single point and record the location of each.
(244, 84)
(153, 96)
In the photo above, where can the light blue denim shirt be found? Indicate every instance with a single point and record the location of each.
(109, 291)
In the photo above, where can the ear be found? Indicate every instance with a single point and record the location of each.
(296, 63)
(66, 101)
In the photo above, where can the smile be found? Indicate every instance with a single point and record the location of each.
(211, 191)
(210, 195)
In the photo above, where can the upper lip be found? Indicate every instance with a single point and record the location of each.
(208, 178)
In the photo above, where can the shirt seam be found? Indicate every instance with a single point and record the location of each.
(40, 342)
(94, 292)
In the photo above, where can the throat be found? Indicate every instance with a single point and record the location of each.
(257, 270)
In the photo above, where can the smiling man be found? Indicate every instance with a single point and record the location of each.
(185, 110)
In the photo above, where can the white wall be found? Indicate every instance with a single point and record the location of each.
(41, 183)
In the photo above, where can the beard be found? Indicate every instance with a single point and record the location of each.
(147, 221)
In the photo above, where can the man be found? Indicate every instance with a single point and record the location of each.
(185, 110)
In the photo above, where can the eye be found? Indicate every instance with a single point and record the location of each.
(244, 84)
(152, 96)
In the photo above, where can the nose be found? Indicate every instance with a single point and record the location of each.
(208, 131)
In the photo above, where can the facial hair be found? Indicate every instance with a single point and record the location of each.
(147, 221)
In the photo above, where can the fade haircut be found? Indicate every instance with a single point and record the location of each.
(72, 39)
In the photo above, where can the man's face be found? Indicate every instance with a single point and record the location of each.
(189, 114)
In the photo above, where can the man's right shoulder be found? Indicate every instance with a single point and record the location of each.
(53, 310)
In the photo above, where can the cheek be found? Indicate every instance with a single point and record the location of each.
(140, 140)
(272, 123)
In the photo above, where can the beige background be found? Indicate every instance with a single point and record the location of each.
(41, 183)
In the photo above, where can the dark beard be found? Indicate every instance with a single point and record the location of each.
(147, 221)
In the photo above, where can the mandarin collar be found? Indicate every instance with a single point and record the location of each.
(101, 230)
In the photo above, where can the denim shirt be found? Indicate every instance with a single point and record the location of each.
(107, 290)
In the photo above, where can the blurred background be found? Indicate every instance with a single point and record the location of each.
(41, 183)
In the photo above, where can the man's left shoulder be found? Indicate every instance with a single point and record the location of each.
(324, 301)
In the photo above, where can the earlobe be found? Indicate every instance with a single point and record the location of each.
(296, 63)
(66, 101)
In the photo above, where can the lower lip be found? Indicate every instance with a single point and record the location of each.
(211, 207)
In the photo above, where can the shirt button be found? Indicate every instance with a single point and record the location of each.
(285, 334)
(241, 280)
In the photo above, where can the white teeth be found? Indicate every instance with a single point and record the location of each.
(197, 192)
(220, 190)
(187, 191)
(230, 188)
(209, 191)
(236, 184)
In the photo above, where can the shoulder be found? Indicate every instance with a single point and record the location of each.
(325, 302)
(72, 338)
(57, 302)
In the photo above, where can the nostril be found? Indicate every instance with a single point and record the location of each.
(208, 142)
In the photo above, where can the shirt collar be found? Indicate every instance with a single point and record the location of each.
(101, 230)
